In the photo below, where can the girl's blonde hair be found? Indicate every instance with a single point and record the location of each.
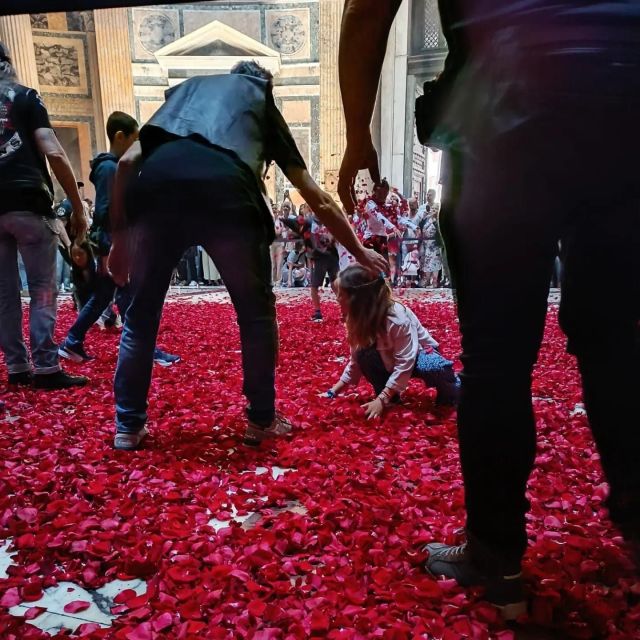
(368, 300)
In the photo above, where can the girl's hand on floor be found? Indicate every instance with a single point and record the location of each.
(373, 409)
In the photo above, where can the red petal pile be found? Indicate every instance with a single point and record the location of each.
(351, 567)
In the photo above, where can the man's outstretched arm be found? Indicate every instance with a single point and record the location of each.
(363, 43)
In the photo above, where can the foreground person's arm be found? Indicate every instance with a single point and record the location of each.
(118, 262)
(49, 145)
(363, 43)
(331, 215)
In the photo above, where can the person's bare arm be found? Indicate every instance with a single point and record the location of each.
(363, 43)
(49, 145)
(127, 165)
(118, 262)
(331, 215)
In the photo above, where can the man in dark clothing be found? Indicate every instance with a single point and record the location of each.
(541, 85)
(122, 132)
(28, 225)
(209, 143)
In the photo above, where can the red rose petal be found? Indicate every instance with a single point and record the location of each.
(142, 632)
(34, 612)
(10, 598)
(76, 606)
(336, 548)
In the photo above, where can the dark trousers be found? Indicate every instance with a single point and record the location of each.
(444, 380)
(160, 239)
(522, 190)
(104, 289)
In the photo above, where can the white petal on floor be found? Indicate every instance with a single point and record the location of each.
(6, 558)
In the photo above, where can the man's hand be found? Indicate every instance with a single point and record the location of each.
(78, 225)
(373, 409)
(360, 154)
(119, 263)
(372, 261)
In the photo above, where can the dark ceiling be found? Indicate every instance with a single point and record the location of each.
(9, 7)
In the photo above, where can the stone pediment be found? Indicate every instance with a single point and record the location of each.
(215, 48)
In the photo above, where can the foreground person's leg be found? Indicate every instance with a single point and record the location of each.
(249, 285)
(604, 334)
(11, 338)
(497, 224)
(156, 250)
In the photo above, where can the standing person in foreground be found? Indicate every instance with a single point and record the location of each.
(122, 132)
(27, 225)
(498, 227)
(209, 143)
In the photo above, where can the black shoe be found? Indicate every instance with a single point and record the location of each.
(58, 380)
(74, 353)
(317, 316)
(24, 379)
(506, 592)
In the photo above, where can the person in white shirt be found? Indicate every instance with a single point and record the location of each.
(411, 265)
(389, 345)
(411, 225)
(277, 249)
(376, 226)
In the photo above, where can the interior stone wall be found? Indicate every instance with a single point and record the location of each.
(69, 73)
(64, 45)
(290, 28)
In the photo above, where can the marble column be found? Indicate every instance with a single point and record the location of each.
(15, 33)
(332, 127)
(395, 111)
(114, 61)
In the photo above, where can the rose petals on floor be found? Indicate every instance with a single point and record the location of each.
(317, 535)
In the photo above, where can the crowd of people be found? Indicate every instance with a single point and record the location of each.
(406, 232)
(211, 142)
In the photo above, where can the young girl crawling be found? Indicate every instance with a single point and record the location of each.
(389, 346)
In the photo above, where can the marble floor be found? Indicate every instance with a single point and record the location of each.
(68, 605)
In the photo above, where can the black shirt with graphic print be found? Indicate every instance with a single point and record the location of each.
(25, 183)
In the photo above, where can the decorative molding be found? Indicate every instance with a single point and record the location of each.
(214, 48)
(152, 29)
(62, 63)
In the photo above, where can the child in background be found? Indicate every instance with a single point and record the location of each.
(411, 266)
(389, 345)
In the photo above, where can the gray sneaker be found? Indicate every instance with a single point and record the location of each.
(255, 434)
(129, 441)
(505, 592)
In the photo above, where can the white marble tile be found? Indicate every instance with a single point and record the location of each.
(251, 518)
(276, 472)
(222, 524)
(579, 410)
(6, 558)
(113, 588)
(54, 600)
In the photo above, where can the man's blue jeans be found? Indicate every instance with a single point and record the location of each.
(104, 289)
(36, 240)
(240, 249)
